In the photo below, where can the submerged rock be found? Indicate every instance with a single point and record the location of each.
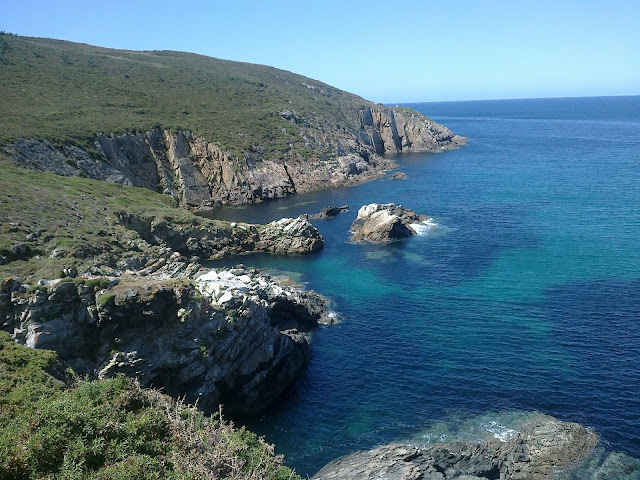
(543, 445)
(383, 222)
(399, 176)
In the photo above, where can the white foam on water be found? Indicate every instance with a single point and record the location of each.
(501, 432)
(476, 428)
(423, 228)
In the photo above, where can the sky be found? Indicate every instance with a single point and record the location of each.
(385, 51)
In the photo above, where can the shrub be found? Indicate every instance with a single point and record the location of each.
(113, 428)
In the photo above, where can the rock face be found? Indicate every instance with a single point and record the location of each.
(383, 222)
(289, 236)
(234, 337)
(197, 173)
(284, 236)
(543, 445)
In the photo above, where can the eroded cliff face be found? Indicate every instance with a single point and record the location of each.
(232, 337)
(197, 173)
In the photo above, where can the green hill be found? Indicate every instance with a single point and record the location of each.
(66, 92)
(203, 130)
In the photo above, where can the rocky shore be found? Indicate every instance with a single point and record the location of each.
(542, 446)
(233, 337)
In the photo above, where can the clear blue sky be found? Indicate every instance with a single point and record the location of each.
(385, 51)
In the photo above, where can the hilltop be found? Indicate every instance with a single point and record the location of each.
(203, 130)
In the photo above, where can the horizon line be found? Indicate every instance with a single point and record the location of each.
(510, 98)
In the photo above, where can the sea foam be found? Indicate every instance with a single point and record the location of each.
(423, 228)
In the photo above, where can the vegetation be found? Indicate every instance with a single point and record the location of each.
(66, 92)
(113, 429)
(76, 216)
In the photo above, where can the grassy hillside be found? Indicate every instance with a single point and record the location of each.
(77, 216)
(112, 429)
(66, 92)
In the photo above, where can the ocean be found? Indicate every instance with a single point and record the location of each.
(524, 296)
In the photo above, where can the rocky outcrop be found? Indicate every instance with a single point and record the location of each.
(383, 222)
(542, 446)
(232, 337)
(330, 212)
(284, 236)
(198, 173)
(289, 236)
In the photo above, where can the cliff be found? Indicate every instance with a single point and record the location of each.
(203, 130)
(198, 173)
(55, 425)
(232, 337)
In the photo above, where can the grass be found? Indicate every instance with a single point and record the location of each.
(78, 217)
(66, 92)
(113, 429)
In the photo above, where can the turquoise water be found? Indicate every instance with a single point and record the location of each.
(526, 296)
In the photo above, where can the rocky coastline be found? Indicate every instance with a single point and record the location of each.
(227, 336)
(379, 223)
(199, 174)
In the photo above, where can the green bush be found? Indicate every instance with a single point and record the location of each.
(114, 429)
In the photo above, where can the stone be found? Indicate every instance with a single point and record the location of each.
(58, 253)
(20, 251)
(70, 272)
(543, 445)
(330, 212)
(383, 222)
(399, 176)
(289, 236)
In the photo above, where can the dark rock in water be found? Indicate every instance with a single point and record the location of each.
(330, 212)
(383, 222)
(543, 445)
(399, 176)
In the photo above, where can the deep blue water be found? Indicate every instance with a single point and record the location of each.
(526, 296)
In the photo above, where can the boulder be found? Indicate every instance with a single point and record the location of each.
(289, 236)
(330, 211)
(541, 446)
(383, 222)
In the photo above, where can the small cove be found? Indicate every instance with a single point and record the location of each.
(525, 296)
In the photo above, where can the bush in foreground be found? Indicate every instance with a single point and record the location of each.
(113, 429)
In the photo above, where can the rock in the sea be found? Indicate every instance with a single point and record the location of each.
(232, 337)
(399, 176)
(383, 222)
(542, 445)
(330, 212)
